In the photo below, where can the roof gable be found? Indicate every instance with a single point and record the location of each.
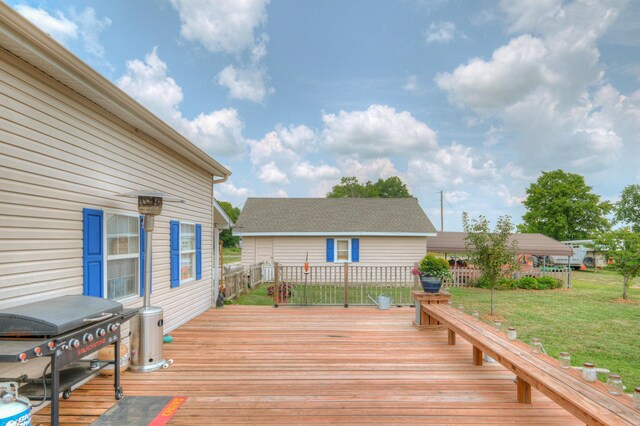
(333, 216)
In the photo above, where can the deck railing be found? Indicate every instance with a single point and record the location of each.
(345, 284)
(349, 284)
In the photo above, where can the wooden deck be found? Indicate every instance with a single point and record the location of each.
(260, 365)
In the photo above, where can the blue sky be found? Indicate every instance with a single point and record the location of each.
(474, 98)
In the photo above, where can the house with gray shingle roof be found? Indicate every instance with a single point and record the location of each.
(370, 231)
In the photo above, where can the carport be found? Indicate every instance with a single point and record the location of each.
(538, 244)
(451, 243)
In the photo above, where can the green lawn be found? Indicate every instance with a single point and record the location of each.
(587, 320)
(231, 255)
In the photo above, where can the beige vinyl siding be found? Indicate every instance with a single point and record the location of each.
(374, 251)
(248, 251)
(60, 153)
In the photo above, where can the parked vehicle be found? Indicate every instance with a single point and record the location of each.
(584, 253)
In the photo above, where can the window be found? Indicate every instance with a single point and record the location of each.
(123, 256)
(342, 250)
(187, 252)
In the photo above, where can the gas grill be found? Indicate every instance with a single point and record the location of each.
(65, 329)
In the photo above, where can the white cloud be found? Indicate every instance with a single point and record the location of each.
(90, 28)
(377, 132)
(367, 170)
(270, 173)
(546, 86)
(222, 26)
(530, 15)
(456, 196)
(300, 138)
(452, 166)
(218, 132)
(307, 171)
(440, 32)
(412, 84)
(57, 24)
(487, 85)
(229, 26)
(229, 189)
(83, 26)
(246, 84)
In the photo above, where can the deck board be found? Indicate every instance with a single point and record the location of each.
(325, 365)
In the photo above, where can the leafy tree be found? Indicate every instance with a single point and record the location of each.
(350, 187)
(226, 236)
(623, 246)
(490, 250)
(560, 205)
(628, 208)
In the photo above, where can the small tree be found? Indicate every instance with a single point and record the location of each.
(628, 208)
(488, 250)
(226, 236)
(623, 246)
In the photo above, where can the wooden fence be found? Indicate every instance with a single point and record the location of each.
(463, 277)
(236, 279)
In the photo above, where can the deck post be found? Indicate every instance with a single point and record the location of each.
(276, 284)
(346, 285)
(524, 391)
(451, 337)
(477, 357)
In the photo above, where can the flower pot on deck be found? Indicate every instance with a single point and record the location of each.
(431, 284)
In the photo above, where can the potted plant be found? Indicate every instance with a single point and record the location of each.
(432, 270)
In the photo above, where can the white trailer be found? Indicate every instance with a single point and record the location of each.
(584, 253)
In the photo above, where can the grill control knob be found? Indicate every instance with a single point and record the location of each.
(112, 327)
(100, 332)
(74, 343)
(37, 351)
(87, 338)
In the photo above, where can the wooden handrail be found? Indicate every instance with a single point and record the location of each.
(590, 403)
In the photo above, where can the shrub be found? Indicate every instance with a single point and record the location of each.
(528, 283)
(506, 284)
(549, 283)
(501, 284)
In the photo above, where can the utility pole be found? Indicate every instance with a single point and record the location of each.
(441, 211)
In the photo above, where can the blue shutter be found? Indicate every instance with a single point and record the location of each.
(355, 249)
(174, 245)
(93, 252)
(198, 252)
(330, 249)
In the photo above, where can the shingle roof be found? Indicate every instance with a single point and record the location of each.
(380, 216)
(454, 242)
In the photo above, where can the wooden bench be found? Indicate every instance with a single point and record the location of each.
(590, 402)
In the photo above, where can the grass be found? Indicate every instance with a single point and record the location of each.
(257, 296)
(231, 255)
(588, 320)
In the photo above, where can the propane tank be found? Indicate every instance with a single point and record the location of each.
(15, 410)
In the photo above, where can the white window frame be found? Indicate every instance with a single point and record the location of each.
(105, 242)
(181, 252)
(335, 250)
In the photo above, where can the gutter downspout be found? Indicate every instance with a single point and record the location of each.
(216, 244)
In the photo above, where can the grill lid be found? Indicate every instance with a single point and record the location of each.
(54, 316)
